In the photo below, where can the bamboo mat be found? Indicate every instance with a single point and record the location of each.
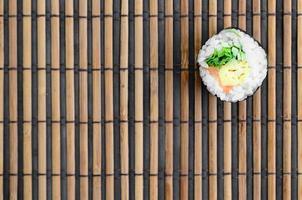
(103, 100)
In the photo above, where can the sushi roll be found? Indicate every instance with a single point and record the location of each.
(232, 65)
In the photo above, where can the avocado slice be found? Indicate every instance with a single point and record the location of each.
(234, 73)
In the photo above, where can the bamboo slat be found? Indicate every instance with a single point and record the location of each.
(13, 107)
(242, 121)
(109, 99)
(27, 102)
(287, 56)
(299, 99)
(153, 100)
(41, 50)
(184, 99)
(257, 112)
(96, 101)
(83, 100)
(198, 103)
(169, 100)
(227, 125)
(1, 96)
(212, 114)
(55, 100)
(70, 106)
(124, 102)
(138, 63)
(271, 135)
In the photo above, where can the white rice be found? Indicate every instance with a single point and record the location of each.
(255, 56)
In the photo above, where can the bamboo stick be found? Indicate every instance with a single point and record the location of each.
(70, 107)
(13, 91)
(227, 125)
(41, 99)
(299, 100)
(109, 100)
(169, 100)
(212, 115)
(138, 23)
(124, 102)
(287, 100)
(198, 104)
(1, 95)
(184, 99)
(27, 105)
(83, 100)
(271, 135)
(55, 99)
(96, 79)
(257, 112)
(242, 121)
(153, 100)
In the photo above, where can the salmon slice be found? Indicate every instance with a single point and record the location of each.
(215, 73)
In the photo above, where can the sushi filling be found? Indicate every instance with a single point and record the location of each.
(232, 65)
(228, 66)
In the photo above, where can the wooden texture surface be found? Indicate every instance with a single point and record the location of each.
(257, 111)
(13, 103)
(42, 95)
(124, 134)
(271, 115)
(212, 114)
(227, 127)
(103, 100)
(169, 100)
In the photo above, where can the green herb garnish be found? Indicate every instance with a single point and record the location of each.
(224, 55)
